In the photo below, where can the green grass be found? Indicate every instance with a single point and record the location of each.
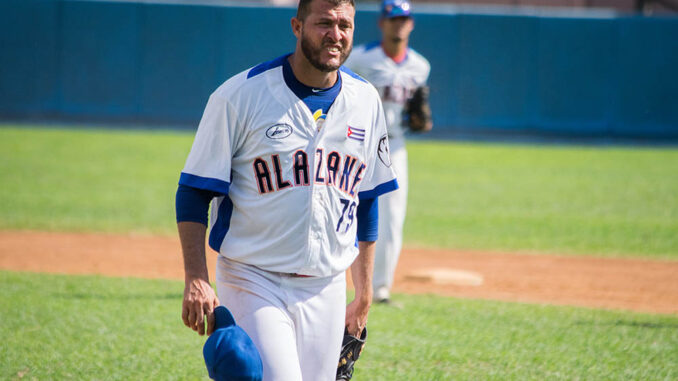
(551, 199)
(87, 327)
(608, 201)
(90, 180)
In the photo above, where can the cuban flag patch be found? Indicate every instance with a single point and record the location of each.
(355, 134)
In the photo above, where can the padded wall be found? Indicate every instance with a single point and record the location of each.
(158, 63)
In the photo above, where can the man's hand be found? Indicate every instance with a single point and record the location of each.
(356, 316)
(199, 304)
(361, 273)
(199, 297)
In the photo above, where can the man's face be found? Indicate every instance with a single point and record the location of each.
(396, 29)
(326, 35)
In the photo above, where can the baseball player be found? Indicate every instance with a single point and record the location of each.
(397, 72)
(292, 154)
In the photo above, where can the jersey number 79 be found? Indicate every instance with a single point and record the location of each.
(347, 213)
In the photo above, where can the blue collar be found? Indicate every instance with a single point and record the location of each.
(313, 98)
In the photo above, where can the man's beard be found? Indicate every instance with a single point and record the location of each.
(312, 54)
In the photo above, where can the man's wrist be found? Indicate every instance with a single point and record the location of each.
(364, 297)
(191, 277)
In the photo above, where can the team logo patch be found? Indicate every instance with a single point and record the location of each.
(355, 133)
(279, 131)
(383, 151)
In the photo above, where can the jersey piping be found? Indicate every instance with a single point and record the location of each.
(352, 74)
(268, 65)
(379, 190)
(222, 224)
(206, 183)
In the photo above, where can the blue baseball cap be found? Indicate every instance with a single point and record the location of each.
(230, 354)
(396, 8)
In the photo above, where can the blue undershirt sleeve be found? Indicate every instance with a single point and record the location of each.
(368, 219)
(192, 204)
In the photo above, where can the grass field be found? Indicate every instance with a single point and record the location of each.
(85, 327)
(569, 200)
(607, 201)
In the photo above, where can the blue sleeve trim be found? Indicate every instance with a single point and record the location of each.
(192, 204)
(380, 189)
(268, 65)
(206, 183)
(368, 220)
(352, 74)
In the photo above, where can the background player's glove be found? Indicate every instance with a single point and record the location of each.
(351, 347)
(418, 111)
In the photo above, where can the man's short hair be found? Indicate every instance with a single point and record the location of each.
(305, 6)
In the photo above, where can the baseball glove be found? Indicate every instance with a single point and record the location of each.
(351, 347)
(418, 111)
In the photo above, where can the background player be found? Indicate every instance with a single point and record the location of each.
(292, 153)
(396, 71)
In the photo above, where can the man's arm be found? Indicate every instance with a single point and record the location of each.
(199, 297)
(361, 273)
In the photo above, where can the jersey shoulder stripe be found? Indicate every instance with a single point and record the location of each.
(268, 65)
(352, 74)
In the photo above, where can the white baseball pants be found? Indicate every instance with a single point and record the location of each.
(296, 323)
(392, 209)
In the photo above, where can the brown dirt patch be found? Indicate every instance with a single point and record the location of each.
(630, 284)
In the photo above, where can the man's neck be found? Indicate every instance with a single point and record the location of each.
(397, 51)
(308, 74)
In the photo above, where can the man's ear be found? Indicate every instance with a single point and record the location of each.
(296, 26)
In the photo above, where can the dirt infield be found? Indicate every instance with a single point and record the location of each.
(629, 284)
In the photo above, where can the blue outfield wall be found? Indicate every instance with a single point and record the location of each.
(581, 76)
(157, 63)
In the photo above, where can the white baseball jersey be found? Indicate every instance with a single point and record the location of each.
(395, 82)
(291, 187)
